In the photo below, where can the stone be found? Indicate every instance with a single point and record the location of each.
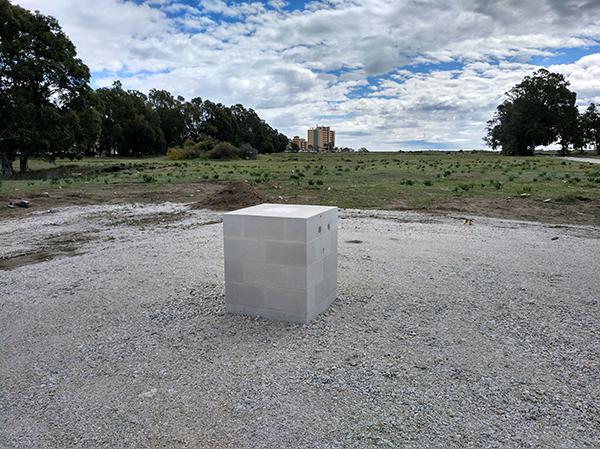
(280, 261)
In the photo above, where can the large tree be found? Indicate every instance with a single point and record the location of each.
(40, 80)
(171, 112)
(130, 127)
(540, 110)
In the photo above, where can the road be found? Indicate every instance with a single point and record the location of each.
(583, 159)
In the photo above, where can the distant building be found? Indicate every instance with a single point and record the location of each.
(321, 138)
(301, 143)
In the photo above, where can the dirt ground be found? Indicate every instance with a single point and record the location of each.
(443, 334)
(233, 195)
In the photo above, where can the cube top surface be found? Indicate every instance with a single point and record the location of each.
(282, 210)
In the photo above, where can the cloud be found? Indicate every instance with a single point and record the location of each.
(380, 72)
(584, 76)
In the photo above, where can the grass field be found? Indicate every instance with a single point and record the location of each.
(540, 188)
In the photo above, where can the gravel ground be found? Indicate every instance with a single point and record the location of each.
(583, 159)
(442, 335)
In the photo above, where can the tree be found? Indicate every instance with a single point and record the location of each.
(590, 123)
(40, 78)
(570, 130)
(129, 125)
(540, 110)
(171, 113)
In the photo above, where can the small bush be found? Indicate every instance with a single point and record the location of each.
(224, 151)
(175, 154)
(148, 178)
(191, 149)
(247, 151)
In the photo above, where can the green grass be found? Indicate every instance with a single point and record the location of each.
(373, 180)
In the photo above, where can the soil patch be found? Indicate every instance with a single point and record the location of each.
(72, 171)
(575, 210)
(235, 195)
(61, 245)
(125, 193)
(156, 219)
(20, 260)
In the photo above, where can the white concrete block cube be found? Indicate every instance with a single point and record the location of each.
(280, 261)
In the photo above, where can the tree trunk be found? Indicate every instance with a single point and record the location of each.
(6, 168)
(23, 160)
(564, 150)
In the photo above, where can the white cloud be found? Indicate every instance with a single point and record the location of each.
(584, 76)
(287, 65)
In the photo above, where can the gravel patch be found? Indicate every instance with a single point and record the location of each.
(589, 160)
(443, 334)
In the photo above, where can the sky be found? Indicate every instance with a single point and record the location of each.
(387, 75)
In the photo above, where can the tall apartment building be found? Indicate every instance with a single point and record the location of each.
(321, 138)
(300, 143)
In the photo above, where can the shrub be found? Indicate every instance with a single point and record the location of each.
(148, 178)
(191, 149)
(175, 154)
(224, 150)
(247, 151)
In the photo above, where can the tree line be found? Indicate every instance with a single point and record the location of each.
(48, 109)
(540, 111)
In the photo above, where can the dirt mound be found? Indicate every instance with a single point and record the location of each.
(234, 195)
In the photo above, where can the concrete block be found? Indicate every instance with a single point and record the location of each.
(285, 300)
(295, 230)
(264, 228)
(234, 271)
(285, 253)
(244, 294)
(315, 273)
(244, 249)
(272, 275)
(234, 227)
(280, 260)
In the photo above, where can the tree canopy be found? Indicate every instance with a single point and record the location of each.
(42, 90)
(130, 127)
(540, 110)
